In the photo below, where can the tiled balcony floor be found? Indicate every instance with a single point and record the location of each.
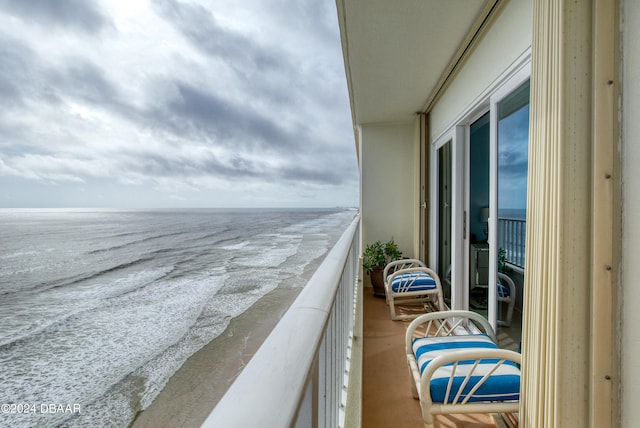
(386, 399)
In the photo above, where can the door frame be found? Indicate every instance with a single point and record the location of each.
(456, 136)
(517, 80)
(458, 133)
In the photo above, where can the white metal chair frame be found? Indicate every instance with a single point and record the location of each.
(449, 323)
(405, 295)
(510, 300)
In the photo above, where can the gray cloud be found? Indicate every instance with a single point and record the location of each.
(312, 173)
(208, 113)
(83, 80)
(513, 170)
(261, 68)
(74, 14)
(318, 19)
(237, 167)
(159, 165)
(24, 76)
(200, 26)
(195, 104)
(513, 145)
(15, 61)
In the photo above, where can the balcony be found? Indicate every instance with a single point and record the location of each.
(302, 375)
(334, 360)
(386, 384)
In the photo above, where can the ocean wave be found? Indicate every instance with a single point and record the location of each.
(89, 352)
(107, 329)
(29, 314)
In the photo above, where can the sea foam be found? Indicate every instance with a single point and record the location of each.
(116, 302)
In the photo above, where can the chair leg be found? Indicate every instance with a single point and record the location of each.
(512, 303)
(414, 390)
(507, 322)
(392, 309)
(427, 418)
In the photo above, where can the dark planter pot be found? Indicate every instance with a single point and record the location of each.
(377, 281)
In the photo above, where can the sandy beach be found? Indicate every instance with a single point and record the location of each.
(193, 391)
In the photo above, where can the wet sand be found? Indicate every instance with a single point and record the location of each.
(193, 391)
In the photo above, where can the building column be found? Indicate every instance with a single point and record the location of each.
(555, 385)
(565, 371)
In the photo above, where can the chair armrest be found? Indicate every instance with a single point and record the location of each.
(504, 278)
(402, 264)
(467, 368)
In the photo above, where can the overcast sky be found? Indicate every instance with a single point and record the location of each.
(173, 103)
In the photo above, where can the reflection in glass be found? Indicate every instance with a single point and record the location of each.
(480, 154)
(444, 219)
(513, 146)
(512, 168)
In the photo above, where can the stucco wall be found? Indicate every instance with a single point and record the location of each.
(387, 187)
(630, 298)
(509, 38)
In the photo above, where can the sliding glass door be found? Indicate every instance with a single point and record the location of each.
(445, 185)
(510, 145)
(479, 192)
(477, 203)
(508, 191)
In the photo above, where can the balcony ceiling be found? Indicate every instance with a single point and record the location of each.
(396, 52)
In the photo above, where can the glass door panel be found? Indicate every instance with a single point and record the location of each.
(478, 207)
(444, 218)
(512, 167)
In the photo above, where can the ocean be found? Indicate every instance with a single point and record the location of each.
(98, 308)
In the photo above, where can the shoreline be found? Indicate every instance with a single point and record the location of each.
(196, 387)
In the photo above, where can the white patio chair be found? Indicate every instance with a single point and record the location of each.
(456, 371)
(410, 282)
(506, 294)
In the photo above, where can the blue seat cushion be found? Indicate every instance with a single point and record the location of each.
(502, 385)
(503, 291)
(413, 281)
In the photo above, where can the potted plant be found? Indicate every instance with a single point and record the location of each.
(502, 261)
(376, 256)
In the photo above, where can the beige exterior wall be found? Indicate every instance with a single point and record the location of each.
(508, 38)
(418, 232)
(630, 293)
(388, 184)
(565, 376)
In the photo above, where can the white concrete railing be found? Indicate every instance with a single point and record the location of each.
(299, 376)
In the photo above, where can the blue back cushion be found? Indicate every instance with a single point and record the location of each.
(502, 385)
(413, 281)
